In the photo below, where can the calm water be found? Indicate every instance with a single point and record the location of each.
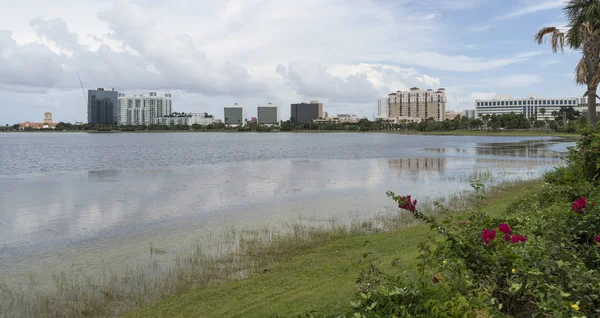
(78, 200)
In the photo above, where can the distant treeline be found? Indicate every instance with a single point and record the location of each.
(565, 120)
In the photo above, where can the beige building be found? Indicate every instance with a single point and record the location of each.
(47, 124)
(452, 114)
(418, 103)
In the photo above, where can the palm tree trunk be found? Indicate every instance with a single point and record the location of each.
(591, 103)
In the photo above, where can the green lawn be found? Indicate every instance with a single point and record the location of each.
(322, 278)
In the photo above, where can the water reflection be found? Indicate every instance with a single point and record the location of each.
(417, 165)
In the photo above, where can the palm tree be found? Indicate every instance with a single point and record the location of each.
(583, 34)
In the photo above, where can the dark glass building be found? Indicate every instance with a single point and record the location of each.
(102, 106)
(305, 112)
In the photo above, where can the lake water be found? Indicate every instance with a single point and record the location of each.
(74, 201)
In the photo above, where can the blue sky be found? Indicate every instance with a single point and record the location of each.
(214, 53)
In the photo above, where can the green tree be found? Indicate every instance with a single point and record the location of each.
(584, 35)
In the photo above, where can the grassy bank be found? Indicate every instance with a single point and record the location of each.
(493, 133)
(320, 278)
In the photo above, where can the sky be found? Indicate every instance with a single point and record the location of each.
(208, 54)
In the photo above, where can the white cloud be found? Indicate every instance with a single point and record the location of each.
(482, 95)
(547, 5)
(509, 81)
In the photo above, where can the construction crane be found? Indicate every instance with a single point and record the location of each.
(83, 90)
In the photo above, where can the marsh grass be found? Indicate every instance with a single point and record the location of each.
(235, 254)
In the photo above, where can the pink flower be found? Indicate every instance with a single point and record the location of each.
(579, 205)
(435, 280)
(507, 237)
(598, 239)
(505, 228)
(586, 137)
(581, 149)
(488, 236)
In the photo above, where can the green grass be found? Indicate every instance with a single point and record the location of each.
(322, 278)
(492, 133)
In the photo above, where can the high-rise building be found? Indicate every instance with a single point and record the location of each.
(417, 103)
(268, 114)
(102, 107)
(469, 113)
(143, 109)
(532, 106)
(234, 115)
(305, 112)
(184, 119)
(383, 107)
(47, 118)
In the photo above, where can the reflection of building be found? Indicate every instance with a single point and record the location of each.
(268, 114)
(47, 124)
(417, 164)
(305, 112)
(417, 103)
(234, 115)
(143, 109)
(102, 106)
(469, 113)
(530, 107)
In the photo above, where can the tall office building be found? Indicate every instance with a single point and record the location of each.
(143, 109)
(305, 112)
(268, 114)
(383, 108)
(416, 103)
(469, 113)
(531, 106)
(102, 106)
(234, 115)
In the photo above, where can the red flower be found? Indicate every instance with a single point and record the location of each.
(488, 236)
(405, 203)
(507, 237)
(581, 149)
(518, 238)
(598, 238)
(579, 205)
(505, 228)
(435, 280)
(586, 137)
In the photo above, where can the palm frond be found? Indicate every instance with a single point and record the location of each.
(581, 72)
(557, 38)
(596, 78)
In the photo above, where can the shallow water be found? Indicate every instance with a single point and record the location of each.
(87, 202)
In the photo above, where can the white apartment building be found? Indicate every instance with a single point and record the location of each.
(531, 106)
(184, 119)
(417, 103)
(339, 119)
(234, 115)
(383, 107)
(143, 109)
(268, 114)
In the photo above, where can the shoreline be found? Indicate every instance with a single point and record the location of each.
(491, 133)
(328, 271)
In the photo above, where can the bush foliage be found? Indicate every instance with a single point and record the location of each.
(540, 259)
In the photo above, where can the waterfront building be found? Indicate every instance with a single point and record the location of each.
(383, 107)
(452, 114)
(268, 114)
(234, 115)
(417, 103)
(184, 119)
(532, 106)
(102, 106)
(401, 119)
(143, 109)
(339, 119)
(306, 112)
(46, 124)
(469, 113)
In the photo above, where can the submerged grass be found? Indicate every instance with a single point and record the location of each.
(209, 273)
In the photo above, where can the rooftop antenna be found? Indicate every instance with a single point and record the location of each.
(82, 90)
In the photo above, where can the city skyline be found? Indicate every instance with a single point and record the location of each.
(212, 54)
